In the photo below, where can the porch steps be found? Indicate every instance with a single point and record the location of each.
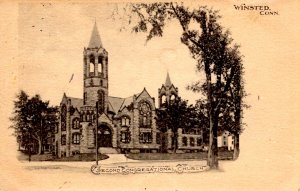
(108, 150)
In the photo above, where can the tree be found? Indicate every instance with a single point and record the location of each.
(201, 107)
(232, 114)
(174, 115)
(209, 45)
(19, 117)
(34, 121)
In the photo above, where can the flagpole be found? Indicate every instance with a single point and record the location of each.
(97, 133)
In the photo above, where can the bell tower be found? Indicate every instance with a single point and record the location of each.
(95, 73)
(167, 92)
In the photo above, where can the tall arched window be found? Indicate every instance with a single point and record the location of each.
(163, 99)
(125, 121)
(84, 98)
(192, 141)
(75, 123)
(101, 101)
(100, 64)
(63, 139)
(173, 97)
(76, 138)
(145, 115)
(92, 65)
(63, 117)
(88, 118)
(184, 141)
(199, 141)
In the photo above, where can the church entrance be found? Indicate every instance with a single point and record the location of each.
(104, 136)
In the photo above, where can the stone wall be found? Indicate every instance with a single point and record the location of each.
(188, 136)
(144, 96)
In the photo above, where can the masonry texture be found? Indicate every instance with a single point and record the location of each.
(124, 124)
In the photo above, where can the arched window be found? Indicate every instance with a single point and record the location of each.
(75, 123)
(173, 97)
(145, 115)
(92, 65)
(192, 141)
(100, 64)
(199, 141)
(88, 117)
(76, 138)
(101, 101)
(145, 137)
(84, 98)
(163, 99)
(125, 136)
(184, 141)
(125, 121)
(63, 139)
(92, 116)
(63, 117)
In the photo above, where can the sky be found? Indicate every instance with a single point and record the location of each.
(42, 46)
(55, 46)
(51, 46)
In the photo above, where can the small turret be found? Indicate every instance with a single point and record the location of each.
(167, 92)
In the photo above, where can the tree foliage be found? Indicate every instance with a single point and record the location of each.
(177, 114)
(34, 121)
(215, 55)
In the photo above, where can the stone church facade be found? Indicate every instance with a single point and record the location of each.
(125, 124)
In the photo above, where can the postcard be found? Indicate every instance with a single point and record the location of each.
(150, 95)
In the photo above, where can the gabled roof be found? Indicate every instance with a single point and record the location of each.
(127, 102)
(144, 90)
(95, 40)
(115, 103)
(76, 102)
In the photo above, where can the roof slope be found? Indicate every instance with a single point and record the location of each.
(76, 102)
(168, 82)
(115, 103)
(95, 40)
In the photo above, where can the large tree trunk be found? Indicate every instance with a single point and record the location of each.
(29, 154)
(175, 142)
(213, 142)
(236, 150)
(212, 158)
(40, 146)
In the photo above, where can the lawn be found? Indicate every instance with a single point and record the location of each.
(82, 157)
(224, 155)
(49, 157)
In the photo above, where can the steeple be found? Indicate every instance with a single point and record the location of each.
(95, 73)
(95, 40)
(167, 93)
(168, 82)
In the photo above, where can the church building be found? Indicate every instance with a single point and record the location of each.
(124, 124)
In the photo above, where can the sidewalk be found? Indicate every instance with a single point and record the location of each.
(113, 160)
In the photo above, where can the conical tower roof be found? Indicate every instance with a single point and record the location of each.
(168, 82)
(95, 40)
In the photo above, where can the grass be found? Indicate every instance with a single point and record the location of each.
(223, 155)
(49, 157)
(83, 157)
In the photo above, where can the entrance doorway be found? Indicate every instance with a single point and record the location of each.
(104, 136)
